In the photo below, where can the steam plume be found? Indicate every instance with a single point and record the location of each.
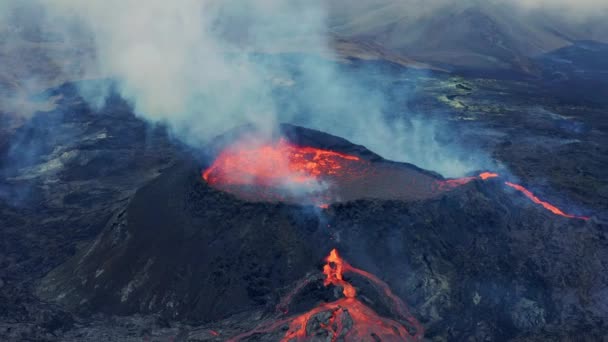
(201, 66)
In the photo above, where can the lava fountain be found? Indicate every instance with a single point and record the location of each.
(347, 318)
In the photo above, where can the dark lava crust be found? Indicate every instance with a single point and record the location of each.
(478, 262)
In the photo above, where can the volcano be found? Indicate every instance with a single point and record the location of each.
(230, 237)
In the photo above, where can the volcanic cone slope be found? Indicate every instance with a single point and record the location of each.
(478, 260)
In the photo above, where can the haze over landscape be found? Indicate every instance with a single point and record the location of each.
(188, 170)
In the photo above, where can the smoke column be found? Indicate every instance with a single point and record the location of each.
(202, 67)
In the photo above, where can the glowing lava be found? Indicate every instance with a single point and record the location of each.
(487, 175)
(450, 184)
(333, 271)
(275, 164)
(281, 171)
(545, 205)
(349, 319)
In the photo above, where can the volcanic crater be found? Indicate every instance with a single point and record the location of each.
(298, 165)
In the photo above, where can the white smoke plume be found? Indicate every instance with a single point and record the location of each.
(194, 65)
(191, 64)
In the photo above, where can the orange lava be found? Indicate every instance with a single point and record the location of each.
(487, 175)
(333, 271)
(545, 205)
(274, 164)
(449, 184)
(349, 318)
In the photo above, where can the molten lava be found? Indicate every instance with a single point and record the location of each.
(487, 175)
(282, 171)
(450, 184)
(349, 319)
(454, 183)
(333, 271)
(275, 164)
(545, 205)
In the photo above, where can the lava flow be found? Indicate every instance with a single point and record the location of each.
(545, 205)
(347, 318)
(449, 184)
(453, 183)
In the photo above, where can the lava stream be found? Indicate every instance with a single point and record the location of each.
(348, 318)
(450, 184)
(453, 183)
(545, 205)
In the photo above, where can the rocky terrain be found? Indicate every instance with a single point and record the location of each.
(109, 232)
(64, 176)
(472, 263)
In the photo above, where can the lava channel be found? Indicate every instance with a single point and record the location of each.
(347, 318)
(450, 184)
(544, 204)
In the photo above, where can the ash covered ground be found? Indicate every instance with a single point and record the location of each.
(109, 232)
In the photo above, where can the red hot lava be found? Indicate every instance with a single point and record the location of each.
(349, 318)
(545, 205)
(453, 183)
(275, 164)
(450, 184)
(281, 171)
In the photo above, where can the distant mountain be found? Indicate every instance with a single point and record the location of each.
(471, 35)
(448, 35)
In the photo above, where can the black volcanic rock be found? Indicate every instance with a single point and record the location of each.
(477, 262)
(50, 202)
(190, 251)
